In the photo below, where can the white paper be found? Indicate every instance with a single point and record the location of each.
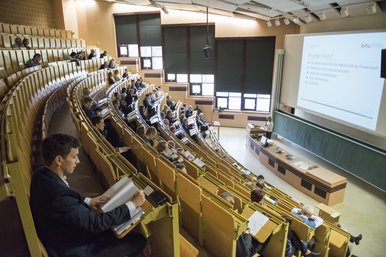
(256, 222)
(120, 193)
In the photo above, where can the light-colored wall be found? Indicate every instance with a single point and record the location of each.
(38, 13)
(95, 23)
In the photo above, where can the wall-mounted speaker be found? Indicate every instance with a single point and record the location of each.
(383, 64)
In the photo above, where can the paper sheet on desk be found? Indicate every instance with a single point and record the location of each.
(256, 222)
(302, 165)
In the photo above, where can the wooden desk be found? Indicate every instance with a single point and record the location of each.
(328, 213)
(319, 183)
(254, 129)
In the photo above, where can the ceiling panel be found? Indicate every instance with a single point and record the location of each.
(220, 5)
(281, 5)
(186, 2)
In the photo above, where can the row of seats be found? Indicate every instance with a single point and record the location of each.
(205, 215)
(34, 31)
(335, 239)
(40, 42)
(160, 223)
(21, 108)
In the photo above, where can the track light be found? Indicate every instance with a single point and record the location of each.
(277, 22)
(308, 18)
(269, 24)
(322, 16)
(296, 20)
(344, 12)
(372, 8)
(286, 21)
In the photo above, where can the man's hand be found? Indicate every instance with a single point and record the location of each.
(138, 198)
(96, 202)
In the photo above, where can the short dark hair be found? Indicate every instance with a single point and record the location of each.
(260, 177)
(257, 195)
(95, 120)
(57, 144)
(86, 99)
(37, 55)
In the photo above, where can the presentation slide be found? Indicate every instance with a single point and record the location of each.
(340, 76)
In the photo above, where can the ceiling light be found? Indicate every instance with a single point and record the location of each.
(344, 12)
(269, 23)
(322, 16)
(308, 18)
(296, 20)
(277, 22)
(286, 21)
(372, 8)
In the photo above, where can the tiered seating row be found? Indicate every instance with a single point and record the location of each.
(34, 31)
(205, 215)
(160, 222)
(21, 109)
(331, 240)
(41, 42)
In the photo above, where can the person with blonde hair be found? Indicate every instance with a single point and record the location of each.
(306, 214)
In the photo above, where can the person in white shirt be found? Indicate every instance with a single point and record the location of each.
(269, 127)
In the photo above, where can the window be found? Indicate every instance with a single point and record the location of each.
(222, 100)
(204, 81)
(250, 102)
(151, 57)
(196, 89)
(182, 78)
(133, 50)
(263, 103)
(234, 101)
(170, 77)
(207, 89)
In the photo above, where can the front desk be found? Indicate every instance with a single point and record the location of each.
(317, 182)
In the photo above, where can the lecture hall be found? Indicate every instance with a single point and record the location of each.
(191, 128)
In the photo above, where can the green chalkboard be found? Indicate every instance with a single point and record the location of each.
(356, 158)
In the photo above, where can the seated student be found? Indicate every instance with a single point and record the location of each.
(151, 136)
(18, 43)
(112, 64)
(294, 244)
(117, 77)
(170, 116)
(140, 131)
(353, 239)
(246, 245)
(104, 65)
(170, 102)
(306, 214)
(92, 54)
(26, 43)
(185, 125)
(260, 182)
(110, 77)
(69, 224)
(104, 54)
(35, 61)
(257, 195)
(163, 148)
(189, 111)
(198, 110)
(117, 107)
(125, 74)
(86, 106)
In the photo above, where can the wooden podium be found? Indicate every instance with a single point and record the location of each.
(317, 182)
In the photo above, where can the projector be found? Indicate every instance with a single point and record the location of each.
(207, 51)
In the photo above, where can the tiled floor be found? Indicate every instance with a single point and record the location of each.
(364, 207)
